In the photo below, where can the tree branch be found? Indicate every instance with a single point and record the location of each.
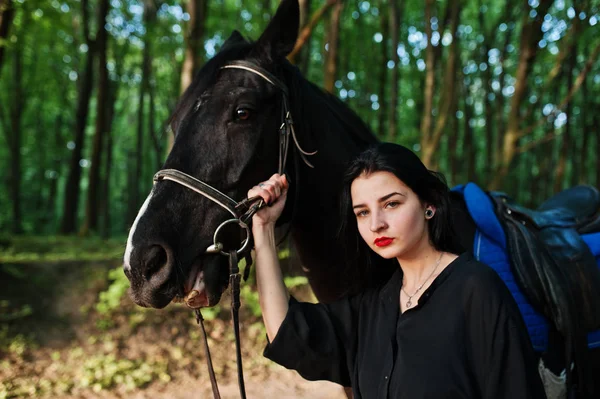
(569, 40)
(578, 82)
(526, 147)
(569, 44)
(308, 29)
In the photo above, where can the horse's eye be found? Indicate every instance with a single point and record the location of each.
(242, 114)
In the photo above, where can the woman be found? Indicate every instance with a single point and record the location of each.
(443, 326)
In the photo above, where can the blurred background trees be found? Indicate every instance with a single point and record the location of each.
(503, 93)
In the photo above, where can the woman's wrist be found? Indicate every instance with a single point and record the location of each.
(264, 235)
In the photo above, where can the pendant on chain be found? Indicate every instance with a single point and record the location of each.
(408, 304)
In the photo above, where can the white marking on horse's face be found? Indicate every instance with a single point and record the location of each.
(129, 249)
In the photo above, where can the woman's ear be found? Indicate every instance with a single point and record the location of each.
(429, 211)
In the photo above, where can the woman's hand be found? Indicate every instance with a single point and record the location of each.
(274, 193)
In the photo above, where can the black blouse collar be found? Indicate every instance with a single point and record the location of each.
(390, 292)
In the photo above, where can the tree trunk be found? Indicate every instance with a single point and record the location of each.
(383, 74)
(453, 137)
(577, 152)
(105, 191)
(469, 145)
(395, 18)
(501, 103)
(194, 39)
(91, 210)
(545, 159)
(7, 14)
(486, 91)
(108, 166)
(547, 153)
(56, 163)
(131, 183)
(135, 190)
(305, 50)
(36, 198)
(453, 158)
(427, 118)
(194, 47)
(565, 145)
(16, 113)
(331, 61)
(596, 118)
(531, 34)
(157, 143)
(71, 204)
(430, 139)
(588, 129)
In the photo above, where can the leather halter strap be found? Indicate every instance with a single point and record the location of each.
(200, 187)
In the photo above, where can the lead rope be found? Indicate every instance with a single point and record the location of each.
(211, 370)
(234, 281)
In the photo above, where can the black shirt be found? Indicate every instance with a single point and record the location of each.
(464, 339)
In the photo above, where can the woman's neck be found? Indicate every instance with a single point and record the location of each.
(419, 264)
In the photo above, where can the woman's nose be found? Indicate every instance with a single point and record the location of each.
(377, 223)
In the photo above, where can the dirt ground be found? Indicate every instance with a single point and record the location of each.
(67, 350)
(280, 384)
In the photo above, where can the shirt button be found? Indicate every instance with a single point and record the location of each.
(386, 377)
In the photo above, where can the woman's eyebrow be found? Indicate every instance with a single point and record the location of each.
(390, 195)
(385, 197)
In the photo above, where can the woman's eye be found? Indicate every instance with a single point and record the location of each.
(242, 114)
(361, 213)
(392, 204)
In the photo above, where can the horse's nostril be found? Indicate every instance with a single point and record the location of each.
(155, 259)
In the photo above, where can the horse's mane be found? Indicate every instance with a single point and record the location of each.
(304, 94)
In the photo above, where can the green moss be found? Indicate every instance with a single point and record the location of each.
(33, 249)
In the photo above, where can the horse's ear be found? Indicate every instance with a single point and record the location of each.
(279, 38)
(233, 39)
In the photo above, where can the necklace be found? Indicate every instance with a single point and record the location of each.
(410, 297)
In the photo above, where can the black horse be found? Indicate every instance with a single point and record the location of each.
(226, 134)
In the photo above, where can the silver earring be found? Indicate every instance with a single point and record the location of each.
(429, 213)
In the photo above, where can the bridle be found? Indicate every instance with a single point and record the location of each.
(242, 213)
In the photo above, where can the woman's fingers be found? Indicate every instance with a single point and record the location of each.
(257, 191)
(270, 190)
(281, 180)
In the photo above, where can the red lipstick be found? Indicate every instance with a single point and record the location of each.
(383, 241)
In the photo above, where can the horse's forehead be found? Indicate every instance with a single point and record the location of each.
(228, 80)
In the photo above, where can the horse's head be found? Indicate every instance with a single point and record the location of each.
(225, 128)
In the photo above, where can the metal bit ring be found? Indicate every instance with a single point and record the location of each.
(217, 247)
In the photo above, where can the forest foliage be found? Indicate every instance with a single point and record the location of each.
(503, 93)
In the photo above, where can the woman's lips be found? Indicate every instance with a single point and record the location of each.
(383, 241)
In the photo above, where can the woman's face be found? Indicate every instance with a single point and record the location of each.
(389, 215)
